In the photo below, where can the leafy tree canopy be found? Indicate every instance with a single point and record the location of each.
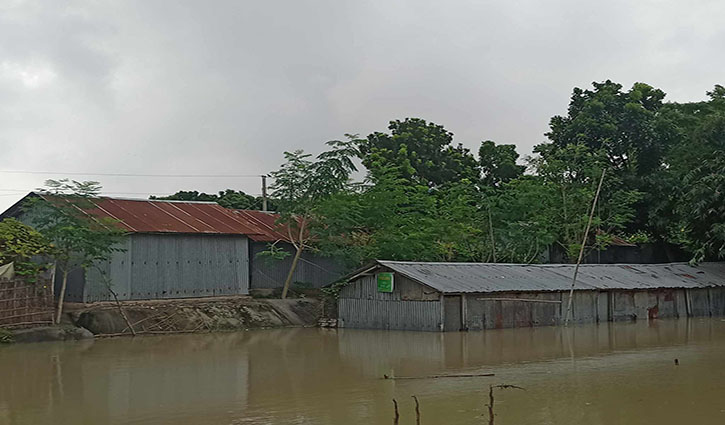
(235, 199)
(499, 163)
(19, 243)
(420, 150)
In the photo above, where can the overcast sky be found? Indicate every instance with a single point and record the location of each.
(225, 87)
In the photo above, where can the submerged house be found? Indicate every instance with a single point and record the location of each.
(177, 249)
(475, 296)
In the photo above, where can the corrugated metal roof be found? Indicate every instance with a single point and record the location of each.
(267, 222)
(487, 277)
(156, 216)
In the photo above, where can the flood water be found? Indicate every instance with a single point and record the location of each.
(593, 374)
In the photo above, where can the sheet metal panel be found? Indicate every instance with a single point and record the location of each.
(389, 315)
(364, 309)
(699, 301)
(485, 277)
(312, 270)
(157, 266)
(717, 301)
(155, 216)
(485, 311)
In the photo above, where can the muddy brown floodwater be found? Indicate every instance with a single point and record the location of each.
(620, 373)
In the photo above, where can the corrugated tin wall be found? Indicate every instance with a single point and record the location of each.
(484, 312)
(362, 306)
(312, 270)
(156, 266)
(398, 315)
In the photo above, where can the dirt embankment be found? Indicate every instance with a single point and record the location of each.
(196, 315)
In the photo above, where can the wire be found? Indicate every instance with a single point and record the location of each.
(127, 174)
(103, 192)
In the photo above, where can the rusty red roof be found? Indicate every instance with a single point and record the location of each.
(157, 216)
(267, 222)
(161, 216)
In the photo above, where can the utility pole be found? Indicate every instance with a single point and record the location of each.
(264, 192)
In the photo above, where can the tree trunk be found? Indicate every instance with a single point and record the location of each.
(113, 293)
(61, 297)
(291, 271)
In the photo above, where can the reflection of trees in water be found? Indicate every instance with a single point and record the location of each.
(314, 375)
(408, 353)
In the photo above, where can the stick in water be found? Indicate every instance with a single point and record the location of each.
(396, 419)
(440, 376)
(417, 411)
(491, 415)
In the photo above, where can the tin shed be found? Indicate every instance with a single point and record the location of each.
(173, 249)
(475, 296)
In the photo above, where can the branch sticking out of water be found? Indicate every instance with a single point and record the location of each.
(396, 418)
(491, 415)
(417, 411)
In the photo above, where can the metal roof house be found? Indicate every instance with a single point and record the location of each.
(476, 296)
(178, 249)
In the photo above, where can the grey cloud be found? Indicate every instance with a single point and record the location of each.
(227, 86)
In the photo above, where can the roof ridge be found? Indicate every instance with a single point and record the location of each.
(466, 263)
(460, 278)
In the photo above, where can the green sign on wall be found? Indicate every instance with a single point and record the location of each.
(385, 282)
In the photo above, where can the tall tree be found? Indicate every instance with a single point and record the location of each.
(498, 163)
(420, 150)
(693, 205)
(626, 125)
(302, 184)
(626, 131)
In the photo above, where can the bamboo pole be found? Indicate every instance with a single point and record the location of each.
(581, 250)
(490, 231)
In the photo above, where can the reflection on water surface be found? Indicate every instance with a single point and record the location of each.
(593, 374)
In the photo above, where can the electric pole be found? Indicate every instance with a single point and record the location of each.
(264, 192)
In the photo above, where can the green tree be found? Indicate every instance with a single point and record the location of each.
(627, 131)
(64, 215)
(571, 176)
(693, 205)
(188, 195)
(301, 185)
(498, 163)
(420, 150)
(19, 243)
(394, 218)
(234, 199)
(703, 208)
